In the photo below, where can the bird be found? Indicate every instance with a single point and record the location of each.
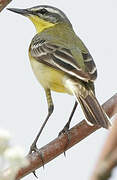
(62, 63)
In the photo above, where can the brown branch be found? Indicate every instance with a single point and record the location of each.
(56, 147)
(108, 158)
(4, 3)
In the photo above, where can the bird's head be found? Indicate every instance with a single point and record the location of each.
(43, 16)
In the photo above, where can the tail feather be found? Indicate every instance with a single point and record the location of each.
(84, 93)
(93, 111)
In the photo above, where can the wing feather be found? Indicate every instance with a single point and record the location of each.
(62, 59)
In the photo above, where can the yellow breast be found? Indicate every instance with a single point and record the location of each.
(48, 77)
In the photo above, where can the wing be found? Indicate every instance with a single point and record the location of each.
(62, 59)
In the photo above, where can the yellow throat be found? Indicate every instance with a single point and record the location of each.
(40, 24)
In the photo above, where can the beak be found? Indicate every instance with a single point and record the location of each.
(24, 12)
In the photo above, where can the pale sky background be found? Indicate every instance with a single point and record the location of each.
(22, 102)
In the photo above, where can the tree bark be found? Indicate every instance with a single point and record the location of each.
(108, 157)
(4, 3)
(57, 146)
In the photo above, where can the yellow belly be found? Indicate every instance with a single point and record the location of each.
(49, 77)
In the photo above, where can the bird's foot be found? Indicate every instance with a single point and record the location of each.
(65, 130)
(33, 148)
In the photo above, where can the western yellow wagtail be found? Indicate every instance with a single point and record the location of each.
(62, 63)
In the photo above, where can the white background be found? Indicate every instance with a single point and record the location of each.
(22, 101)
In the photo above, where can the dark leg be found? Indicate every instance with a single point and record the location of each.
(50, 110)
(66, 127)
(33, 146)
(65, 130)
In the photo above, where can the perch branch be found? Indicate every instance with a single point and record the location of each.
(108, 158)
(4, 3)
(56, 147)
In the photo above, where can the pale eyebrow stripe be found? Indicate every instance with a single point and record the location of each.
(55, 11)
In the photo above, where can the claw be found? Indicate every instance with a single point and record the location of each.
(65, 131)
(41, 156)
(64, 154)
(35, 174)
(33, 148)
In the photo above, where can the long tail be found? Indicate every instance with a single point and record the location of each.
(93, 111)
(90, 105)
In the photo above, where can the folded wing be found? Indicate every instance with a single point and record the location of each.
(63, 59)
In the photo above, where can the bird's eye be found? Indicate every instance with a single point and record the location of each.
(43, 11)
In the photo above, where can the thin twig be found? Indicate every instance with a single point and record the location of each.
(108, 158)
(4, 3)
(56, 147)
